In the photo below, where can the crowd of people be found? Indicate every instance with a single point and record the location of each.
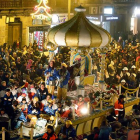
(29, 81)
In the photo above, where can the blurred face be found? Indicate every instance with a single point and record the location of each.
(48, 98)
(51, 64)
(23, 101)
(42, 87)
(4, 84)
(134, 123)
(80, 99)
(40, 66)
(2, 112)
(49, 130)
(8, 94)
(67, 125)
(122, 100)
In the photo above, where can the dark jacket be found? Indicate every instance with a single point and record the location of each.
(69, 132)
(104, 133)
(42, 94)
(33, 110)
(7, 100)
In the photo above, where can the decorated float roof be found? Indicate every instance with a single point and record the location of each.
(79, 32)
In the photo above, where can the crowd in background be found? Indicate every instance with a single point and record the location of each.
(23, 96)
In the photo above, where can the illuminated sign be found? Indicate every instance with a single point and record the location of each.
(97, 18)
(112, 18)
(42, 11)
(108, 10)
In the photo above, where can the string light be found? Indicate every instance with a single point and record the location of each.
(42, 11)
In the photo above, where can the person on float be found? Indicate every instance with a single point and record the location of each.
(49, 109)
(50, 134)
(24, 106)
(119, 108)
(34, 109)
(63, 75)
(79, 105)
(42, 92)
(50, 74)
(17, 116)
(66, 111)
(23, 95)
(67, 131)
(45, 102)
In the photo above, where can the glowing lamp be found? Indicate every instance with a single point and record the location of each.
(55, 18)
(84, 110)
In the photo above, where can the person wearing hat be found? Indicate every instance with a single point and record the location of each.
(119, 108)
(133, 69)
(63, 75)
(132, 81)
(123, 82)
(124, 74)
(50, 74)
(67, 131)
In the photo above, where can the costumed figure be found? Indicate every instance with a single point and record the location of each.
(63, 75)
(111, 71)
(74, 71)
(50, 74)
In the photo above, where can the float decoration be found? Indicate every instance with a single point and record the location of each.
(42, 11)
(81, 34)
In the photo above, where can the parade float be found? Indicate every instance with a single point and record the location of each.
(81, 35)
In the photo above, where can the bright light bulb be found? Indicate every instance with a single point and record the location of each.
(84, 110)
(55, 18)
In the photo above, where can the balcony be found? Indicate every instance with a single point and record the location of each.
(12, 4)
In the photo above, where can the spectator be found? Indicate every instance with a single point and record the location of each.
(49, 135)
(67, 131)
(105, 130)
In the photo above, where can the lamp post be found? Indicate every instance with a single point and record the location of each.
(69, 9)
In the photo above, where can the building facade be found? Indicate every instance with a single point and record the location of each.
(16, 23)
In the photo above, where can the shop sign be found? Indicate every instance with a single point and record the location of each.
(95, 18)
(39, 28)
(111, 18)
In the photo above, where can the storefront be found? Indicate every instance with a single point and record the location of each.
(38, 34)
(95, 19)
(112, 24)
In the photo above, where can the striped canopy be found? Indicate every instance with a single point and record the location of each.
(79, 32)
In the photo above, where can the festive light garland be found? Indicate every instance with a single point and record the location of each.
(42, 11)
